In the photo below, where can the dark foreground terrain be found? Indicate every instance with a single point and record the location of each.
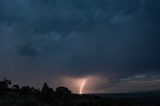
(142, 98)
(13, 95)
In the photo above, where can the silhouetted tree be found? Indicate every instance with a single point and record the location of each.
(4, 86)
(47, 93)
(7, 81)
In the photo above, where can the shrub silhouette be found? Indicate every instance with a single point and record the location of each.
(29, 96)
(63, 91)
(25, 90)
(15, 88)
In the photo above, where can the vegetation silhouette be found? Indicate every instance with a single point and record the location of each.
(13, 95)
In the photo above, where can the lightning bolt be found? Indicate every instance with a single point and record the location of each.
(82, 86)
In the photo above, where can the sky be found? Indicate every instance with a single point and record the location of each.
(114, 44)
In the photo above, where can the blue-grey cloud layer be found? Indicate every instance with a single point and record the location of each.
(118, 38)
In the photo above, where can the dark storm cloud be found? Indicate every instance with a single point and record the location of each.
(116, 37)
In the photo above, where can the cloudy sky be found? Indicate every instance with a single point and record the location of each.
(115, 44)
